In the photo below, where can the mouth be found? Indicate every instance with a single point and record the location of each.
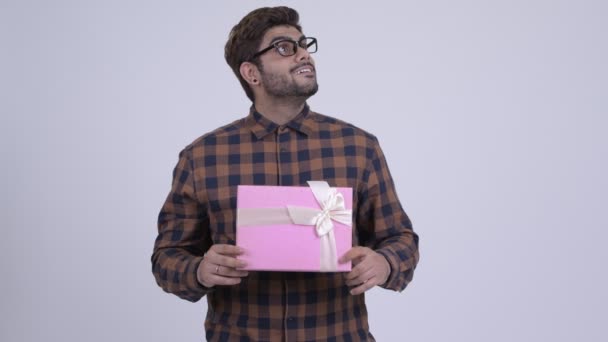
(305, 70)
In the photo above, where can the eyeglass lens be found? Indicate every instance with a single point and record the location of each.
(289, 47)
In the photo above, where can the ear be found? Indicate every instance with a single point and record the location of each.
(250, 73)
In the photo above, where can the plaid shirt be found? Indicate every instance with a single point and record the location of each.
(200, 210)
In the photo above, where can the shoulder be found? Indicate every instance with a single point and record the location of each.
(331, 123)
(218, 136)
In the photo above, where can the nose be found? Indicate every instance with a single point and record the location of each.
(302, 54)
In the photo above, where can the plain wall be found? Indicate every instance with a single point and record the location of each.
(492, 115)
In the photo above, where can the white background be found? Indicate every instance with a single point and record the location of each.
(492, 115)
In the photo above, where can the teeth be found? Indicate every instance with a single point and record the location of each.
(303, 70)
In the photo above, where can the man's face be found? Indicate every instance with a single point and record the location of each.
(286, 77)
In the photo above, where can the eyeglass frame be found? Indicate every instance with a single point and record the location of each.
(296, 44)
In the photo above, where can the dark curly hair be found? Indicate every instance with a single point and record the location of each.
(246, 36)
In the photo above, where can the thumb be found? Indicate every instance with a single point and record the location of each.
(353, 253)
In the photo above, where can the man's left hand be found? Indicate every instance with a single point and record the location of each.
(370, 269)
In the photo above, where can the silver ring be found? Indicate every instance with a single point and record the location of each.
(217, 269)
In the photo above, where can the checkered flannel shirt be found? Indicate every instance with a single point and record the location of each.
(200, 210)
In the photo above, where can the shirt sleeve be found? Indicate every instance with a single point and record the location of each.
(183, 236)
(383, 224)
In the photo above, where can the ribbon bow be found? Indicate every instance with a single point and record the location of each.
(332, 208)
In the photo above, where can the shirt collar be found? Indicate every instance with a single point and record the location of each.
(261, 126)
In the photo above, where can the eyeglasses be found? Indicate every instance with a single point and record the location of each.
(289, 47)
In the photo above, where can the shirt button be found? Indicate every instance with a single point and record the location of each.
(290, 319)
(283, 149)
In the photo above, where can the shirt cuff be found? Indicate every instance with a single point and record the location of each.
(391, 267)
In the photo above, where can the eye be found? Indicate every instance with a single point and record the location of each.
(284, 48)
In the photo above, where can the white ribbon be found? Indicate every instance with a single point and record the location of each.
(332, 208)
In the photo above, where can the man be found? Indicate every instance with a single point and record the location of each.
(281, 142)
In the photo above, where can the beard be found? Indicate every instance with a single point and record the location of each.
(284, 86)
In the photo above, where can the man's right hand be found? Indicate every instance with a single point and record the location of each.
(219, 266)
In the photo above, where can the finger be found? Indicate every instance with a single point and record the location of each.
(353, 253)
(229, 261)
(231, 272)
(225, 249)
(364, 277)
(361, 268)
(215, 258)
(212, 275)
(353, 274)
(237, 273)
(220, 280)
(363, 287)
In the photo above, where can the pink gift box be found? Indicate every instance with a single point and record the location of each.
(272, 242)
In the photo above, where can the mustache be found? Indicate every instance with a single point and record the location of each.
(302, 65)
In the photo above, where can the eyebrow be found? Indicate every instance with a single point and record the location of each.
(276, 39)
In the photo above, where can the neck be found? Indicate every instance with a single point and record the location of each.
(280, 112)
